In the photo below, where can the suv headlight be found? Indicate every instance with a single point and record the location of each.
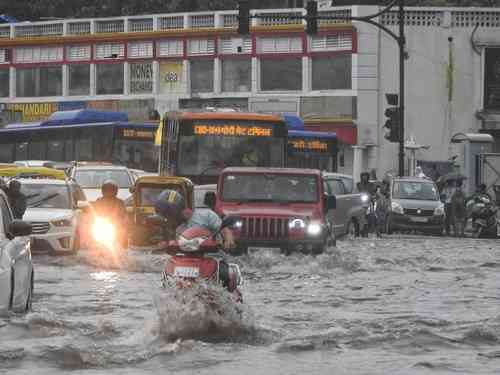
(297, 224)
(397, 208)
(314, 229)
(439, 210)
(62, 223)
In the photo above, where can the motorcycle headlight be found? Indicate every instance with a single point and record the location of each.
(297, 224)
(397, 208)
(192, 245)
(364, 198)
(61, 223)
(314, 229)
(238, 224)
(439, 210)
(103, 231)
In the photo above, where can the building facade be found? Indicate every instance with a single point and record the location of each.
(336, 80)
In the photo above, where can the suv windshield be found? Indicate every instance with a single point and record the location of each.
(424, 191)
(46, 196)
(270, 188)
(94, 178)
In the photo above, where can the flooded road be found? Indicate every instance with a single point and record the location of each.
(399, 305)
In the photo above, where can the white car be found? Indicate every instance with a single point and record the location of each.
(52, 210)
(91, 177)
(16, 267)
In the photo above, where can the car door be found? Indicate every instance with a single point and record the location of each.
(20, 257)
(335, 187)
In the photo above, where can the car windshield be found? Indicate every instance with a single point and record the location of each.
(424, 191)
(46, 196)
(207, 155)
(94, 178)
(270, 188)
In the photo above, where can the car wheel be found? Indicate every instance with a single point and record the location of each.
(388, 225)
(352, 229)
(12, 283)
(29, 300)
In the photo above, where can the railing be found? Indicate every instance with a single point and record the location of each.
(414, 16)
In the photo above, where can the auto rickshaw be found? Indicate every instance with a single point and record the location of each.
(144, 193)
(32, 172)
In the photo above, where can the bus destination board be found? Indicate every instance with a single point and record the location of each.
(234, 130)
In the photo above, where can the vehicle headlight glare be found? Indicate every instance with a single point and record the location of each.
(314, 229)
(297, 224)
(103, 231)
(61, 223)
(364, 198)
(397, 208)
(238, 224)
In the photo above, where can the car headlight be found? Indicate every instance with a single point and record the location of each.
(397, 208)
(314, 229)
(439, 210)
(62, 223)
(364, 198)
(297, 224)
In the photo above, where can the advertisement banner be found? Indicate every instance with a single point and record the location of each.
(32, 112)
(141, 78)
(171, 77)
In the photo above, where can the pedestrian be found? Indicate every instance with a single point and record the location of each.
(364, 185)
(448, 191)
(17, 199)
(434, 173)
(458, 210)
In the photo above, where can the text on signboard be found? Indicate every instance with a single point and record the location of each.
(232, 130)
(310, 145)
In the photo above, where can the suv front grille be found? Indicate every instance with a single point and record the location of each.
(40, 227)
(415, 212)
(264, 228)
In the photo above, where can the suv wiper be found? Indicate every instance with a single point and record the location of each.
(48, 197)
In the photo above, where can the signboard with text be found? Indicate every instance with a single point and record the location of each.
(141, 78)
(171, 77)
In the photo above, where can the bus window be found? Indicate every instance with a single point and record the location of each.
(37, 150)
(22, 151)
(6, 152)
(55, 150)
(69, 154)
(83, 149)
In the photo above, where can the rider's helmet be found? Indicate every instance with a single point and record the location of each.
(109, 188)
(170, 204)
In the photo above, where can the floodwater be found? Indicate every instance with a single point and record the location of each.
(398, 305)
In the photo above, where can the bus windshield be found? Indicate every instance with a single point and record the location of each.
(208, 154)
(270, 188)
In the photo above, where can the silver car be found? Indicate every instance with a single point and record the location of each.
(16, 267)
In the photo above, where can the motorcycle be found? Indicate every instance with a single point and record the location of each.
(485, 217)
(192, 259)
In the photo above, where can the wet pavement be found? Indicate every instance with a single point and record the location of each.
(397, 305)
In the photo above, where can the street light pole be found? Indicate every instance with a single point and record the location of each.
(401, 44)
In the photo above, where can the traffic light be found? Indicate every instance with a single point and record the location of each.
(244, 17)
(311, 17)
(392, 124)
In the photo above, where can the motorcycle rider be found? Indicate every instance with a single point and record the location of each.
(171, 205)
(109, 205)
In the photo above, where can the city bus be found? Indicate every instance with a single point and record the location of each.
(309, 149)
(199, 145)
(82, 135)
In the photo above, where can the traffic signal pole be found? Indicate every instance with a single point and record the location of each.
(312, 16)
(401, 44)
